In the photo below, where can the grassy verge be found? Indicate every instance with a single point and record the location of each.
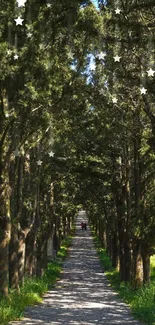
(33, 289)
(142, 300)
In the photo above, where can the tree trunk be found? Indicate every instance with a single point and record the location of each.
(109, 244)
(128, 234)
(127, 260)
(146, 268)
(101, 231)
(55, 242)
(119, 192)
(121, 234)
(13, 246)
(30, 258)
(146, 263)
(122, 261)
(104, 245)
(30, 249)
(21, 255)
(115, 256)
(41, 257)
(5, 229)
(137, 268)
(69, 223)
(13, 259)
(64, 227)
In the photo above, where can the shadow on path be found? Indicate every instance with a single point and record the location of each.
(83, 295)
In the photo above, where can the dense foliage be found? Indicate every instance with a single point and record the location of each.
(76, 129)
(44, 51)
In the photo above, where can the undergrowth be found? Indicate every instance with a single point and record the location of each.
(12, 308)
(141, 300)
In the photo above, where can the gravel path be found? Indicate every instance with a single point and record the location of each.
(83, 295)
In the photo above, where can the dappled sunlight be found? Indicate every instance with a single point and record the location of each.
(83, 294)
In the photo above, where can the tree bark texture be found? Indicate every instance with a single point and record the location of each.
(5, 234)
(13, 258)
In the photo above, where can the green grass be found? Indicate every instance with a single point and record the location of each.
(142, 300)
(31, 293)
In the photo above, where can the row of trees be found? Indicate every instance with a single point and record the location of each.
(112, 152)
(122, 206)
(76, 127)
(38, 85)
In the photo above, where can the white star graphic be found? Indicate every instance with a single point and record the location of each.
(117, 11)
(21, 2)
(101, 56)
(151, 72)
(117, 58)
(101, 91)
(16, 56)
(39, 162)
(114, 100)
(51, 154)
(19, 21)
(29, 35)
(70, 55)
(143, 91)
(9, 52)
(16, 153)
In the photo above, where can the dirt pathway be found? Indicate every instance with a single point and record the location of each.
(83, 295)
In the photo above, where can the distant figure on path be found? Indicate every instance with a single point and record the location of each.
(83, 225)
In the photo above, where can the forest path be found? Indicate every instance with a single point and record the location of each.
(83, 295)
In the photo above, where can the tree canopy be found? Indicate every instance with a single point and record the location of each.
(76, 130)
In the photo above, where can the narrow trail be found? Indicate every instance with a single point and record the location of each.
(83, 295)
